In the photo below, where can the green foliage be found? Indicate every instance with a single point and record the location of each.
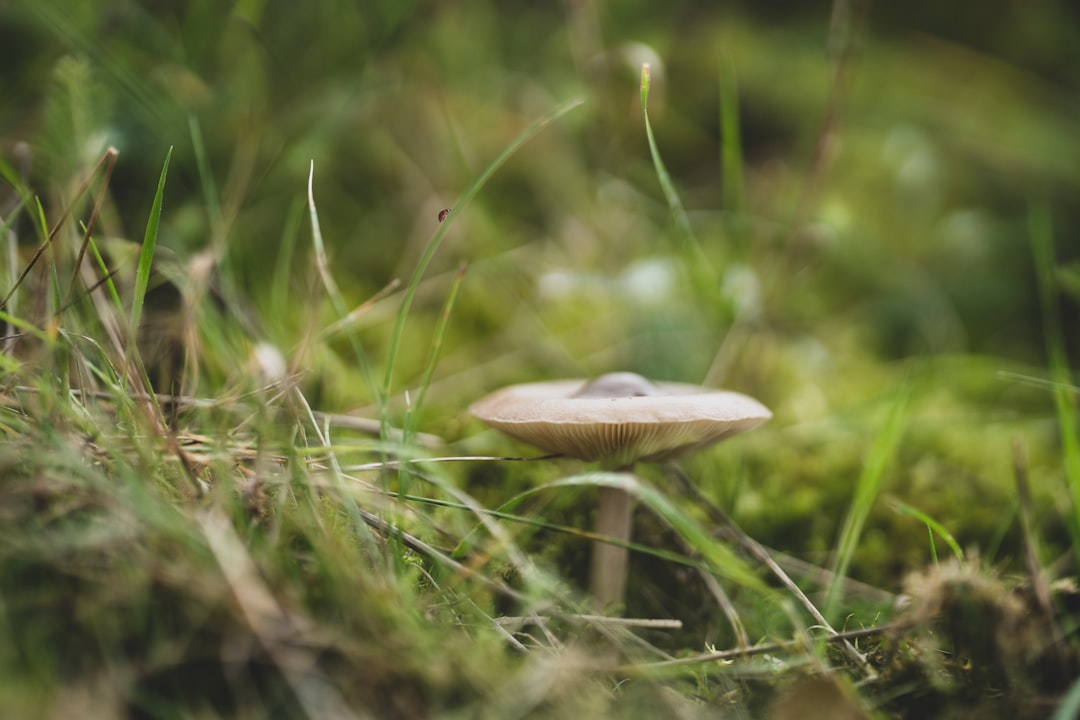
(146, 254)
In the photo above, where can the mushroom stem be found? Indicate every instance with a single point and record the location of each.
(607, 583)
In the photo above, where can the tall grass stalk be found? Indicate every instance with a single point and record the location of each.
(866, 492)
(731, 160)
(146, 255)
(1041, 229)
(720, 557)
(409, 423)
(206, 177)
(107, 164)
(700, 267)
(932, 526)
(436, 240)
(337, 301)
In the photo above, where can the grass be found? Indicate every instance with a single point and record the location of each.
(237, 474)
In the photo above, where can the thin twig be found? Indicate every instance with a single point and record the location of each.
(394, 464)
(110, 163)
(717, 591)
(725, 655)
(732, 531)
(823, 577)
(55, 229)
(72, 301)
(360, 309)
(416, 544)
(651, 623)
(1040, 587)
(726, 606)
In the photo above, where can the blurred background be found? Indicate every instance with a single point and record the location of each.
(862, 180)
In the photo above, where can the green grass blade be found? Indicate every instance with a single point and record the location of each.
(12, 216)
(436, 347)
(699, 263)
(866, 491)
(1042, 245)
(702, 273)
(731, 160)
(25, 326)
(146, 257)
(106, 273)
(433, 245)
(405, 471)
(678, 213)
(322, 264)
(720, 557)
(933, 526)
(206, 178)
(283, 268)
(1039, 382)
(41, 226)
(459, 549)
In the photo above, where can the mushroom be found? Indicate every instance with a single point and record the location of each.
(618, 419)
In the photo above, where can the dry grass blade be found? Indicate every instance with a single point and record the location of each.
(728, 655)
(416, 544)
(651, 623)
(732, 531)
(1040, 587)
(109, 160)
(360, 309)
(109, 157)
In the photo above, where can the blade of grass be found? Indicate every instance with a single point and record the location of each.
(436, 240)
(459, 549)
(1042, 245)
(1038, 382)
(701, 269)
(1038, 578)
(146, 256)
(433, 358)
(24, 326)
(206, 178)
(48, 235)
(534, 577)
(108, 274)
(729, 529)
(108, 162)
(721, 659)
(322, 264)
(731, 162)
(280, 297)
(866, 491)
(933, 526)
(405, 470)
(719, 556)
(53, 267)
(359, 311)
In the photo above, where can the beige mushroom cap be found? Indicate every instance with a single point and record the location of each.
(619, 418)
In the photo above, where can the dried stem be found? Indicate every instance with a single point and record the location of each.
(731, 531)
(844, 637)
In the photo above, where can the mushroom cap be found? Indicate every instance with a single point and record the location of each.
(619, 418)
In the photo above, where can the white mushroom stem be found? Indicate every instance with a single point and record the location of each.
(607, 583)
